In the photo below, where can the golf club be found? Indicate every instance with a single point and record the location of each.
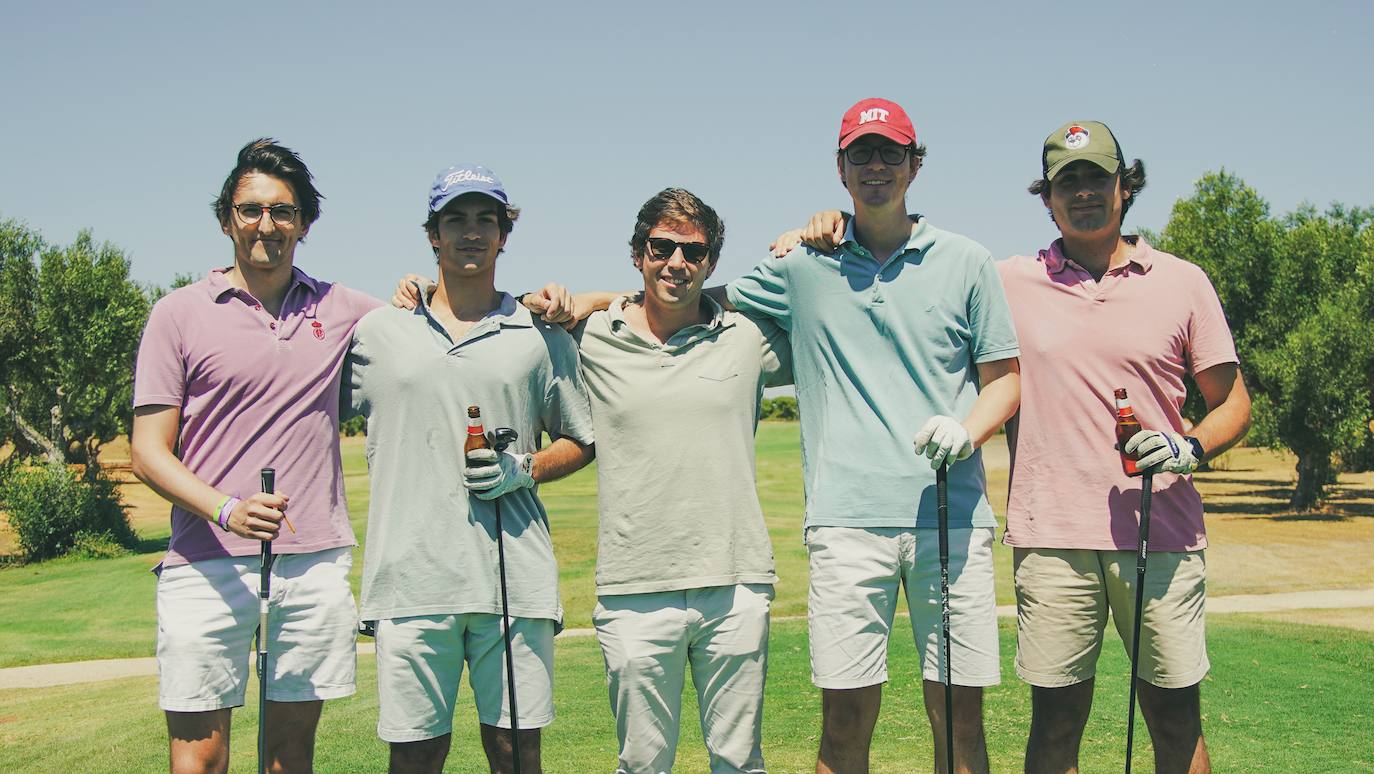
(942, 513)
(1141, 556)
(269, 485)
(502, 437)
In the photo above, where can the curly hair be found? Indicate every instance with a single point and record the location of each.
(678, 207)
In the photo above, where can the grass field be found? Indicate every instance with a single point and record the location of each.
(1285, 694)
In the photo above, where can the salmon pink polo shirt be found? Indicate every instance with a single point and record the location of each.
(1143, 326)
(255, 391)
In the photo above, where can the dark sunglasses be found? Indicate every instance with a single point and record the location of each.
(692, 252)
(890, 154)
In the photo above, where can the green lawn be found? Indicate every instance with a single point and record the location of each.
(1280, 699)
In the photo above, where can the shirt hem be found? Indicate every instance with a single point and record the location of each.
(176, 559)
(1155, 547)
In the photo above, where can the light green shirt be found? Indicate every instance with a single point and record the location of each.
(675, 426)
(431, 546)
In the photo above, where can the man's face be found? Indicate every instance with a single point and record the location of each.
(265, 243)
(671, 281)
(874, 182)
(1085, 199)
(467, 235)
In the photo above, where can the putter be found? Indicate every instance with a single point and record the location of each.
(1140, 559)
(502, 437)
(269, 485)
(942, 513)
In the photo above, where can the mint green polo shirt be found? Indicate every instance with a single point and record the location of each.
(878, 348)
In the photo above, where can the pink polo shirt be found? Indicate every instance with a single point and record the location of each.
(1143, 327)
(254, 392)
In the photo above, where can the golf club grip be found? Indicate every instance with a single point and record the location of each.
(1146, 494)
(942, 508)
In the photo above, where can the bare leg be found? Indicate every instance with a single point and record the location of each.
(1174, 716)
(500, 758)
(426, 756)
(970, 744)
(847, 720)
(199, 741)
(291, 736)
(1058, 717)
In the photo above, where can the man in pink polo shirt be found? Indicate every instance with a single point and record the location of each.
(235, 373)
(1096, 311)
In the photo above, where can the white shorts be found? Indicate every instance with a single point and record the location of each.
(420, 663)
(207, 615)
(649, 640)
(855, 574)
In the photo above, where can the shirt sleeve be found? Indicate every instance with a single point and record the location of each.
(567, 410)
(1209, 336)
(352, 399)
(160, 370)
(990, 323)
(776, 357)
(763, 292)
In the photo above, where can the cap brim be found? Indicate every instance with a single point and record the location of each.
(443, 201)
(1110, 164)
(882, 130)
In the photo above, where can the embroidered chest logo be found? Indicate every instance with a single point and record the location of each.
(317, 329)
(1076, 137)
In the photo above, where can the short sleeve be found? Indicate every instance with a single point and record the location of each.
(763, 292)
(1209, 336)
(352, 398)
(160, 371)
(567, 409)
(775, 359)
(989, 316)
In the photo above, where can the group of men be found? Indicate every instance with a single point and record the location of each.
(893, 330)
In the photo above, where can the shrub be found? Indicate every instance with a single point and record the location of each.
(354, 426)
(50, 506)
(781, 407)
(96, 545)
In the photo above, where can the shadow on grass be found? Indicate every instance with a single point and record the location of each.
(1255, 482)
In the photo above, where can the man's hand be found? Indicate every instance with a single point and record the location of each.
(258, 517)
(785, 242)
(407, 295)
(553, 303)
(1162, 452)
(490, 475)
(944, 437)
(823, 233)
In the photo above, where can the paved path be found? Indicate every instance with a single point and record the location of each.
(48, 675)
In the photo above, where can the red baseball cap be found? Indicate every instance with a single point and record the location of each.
(876, 116)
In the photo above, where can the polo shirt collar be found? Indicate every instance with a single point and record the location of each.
(1142, 257)
(922, 237)
(219, 284)
(509, 313)
(692, 333)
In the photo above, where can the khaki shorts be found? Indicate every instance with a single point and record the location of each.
(207, 615)
(420, 663)
(855, 575)
(649, 640)
(1062, 600)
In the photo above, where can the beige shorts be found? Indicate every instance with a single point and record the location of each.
(855, 576)
(1062, 600)
(207, 615)
(420, 663)
(649, 641)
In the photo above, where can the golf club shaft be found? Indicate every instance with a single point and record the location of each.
(505, 630)
(942, 514)
(269, 485)
(1142, 556)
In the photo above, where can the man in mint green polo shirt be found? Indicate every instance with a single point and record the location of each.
(902, 332)
(430, 573)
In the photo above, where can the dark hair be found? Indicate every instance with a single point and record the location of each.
(505, 217)
(1132, 179)
(678, 207)
(265, 156)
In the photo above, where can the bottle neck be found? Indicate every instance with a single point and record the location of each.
(474, 426)
(1123, 409)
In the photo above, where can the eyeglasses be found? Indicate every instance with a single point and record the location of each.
(692, 252)
(281, 214)
(890, 154)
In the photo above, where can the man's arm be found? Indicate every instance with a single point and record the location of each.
(1228, 409)
(154, 437)
(997, 400)
(561, 458)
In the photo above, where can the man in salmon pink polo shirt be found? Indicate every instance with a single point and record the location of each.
(235, 373)
(1096, 311)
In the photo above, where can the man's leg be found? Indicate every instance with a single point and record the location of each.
(853, 596)
(291, 735)
(975, 661)
(532, 652)
(419, 665)
(496, 742)
(729, 657)
(644, 642)
(426, 756)
(1058, 717)
(1061, 614)
(199, 741)
(1174, 716)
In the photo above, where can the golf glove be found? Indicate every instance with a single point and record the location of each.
(942, 438)
(1163, 452)
(490, 475)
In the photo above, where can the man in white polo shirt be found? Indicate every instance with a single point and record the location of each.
(430, 570)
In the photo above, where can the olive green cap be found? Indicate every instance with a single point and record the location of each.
(1080, 141)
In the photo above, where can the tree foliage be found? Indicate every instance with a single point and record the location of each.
(1298, 291)
(70, 321)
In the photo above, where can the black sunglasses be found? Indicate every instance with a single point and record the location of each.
(663, 248)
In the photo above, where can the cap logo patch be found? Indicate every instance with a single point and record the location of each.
(873, 114)
(1076, 137)
(466, 176)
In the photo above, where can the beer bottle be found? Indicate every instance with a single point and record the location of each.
(477, 437)
(1126, 427)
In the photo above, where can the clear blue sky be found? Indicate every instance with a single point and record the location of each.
(125, 120)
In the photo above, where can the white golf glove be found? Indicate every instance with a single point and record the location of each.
(1162, 452)
(490, 475)
(944, 437)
